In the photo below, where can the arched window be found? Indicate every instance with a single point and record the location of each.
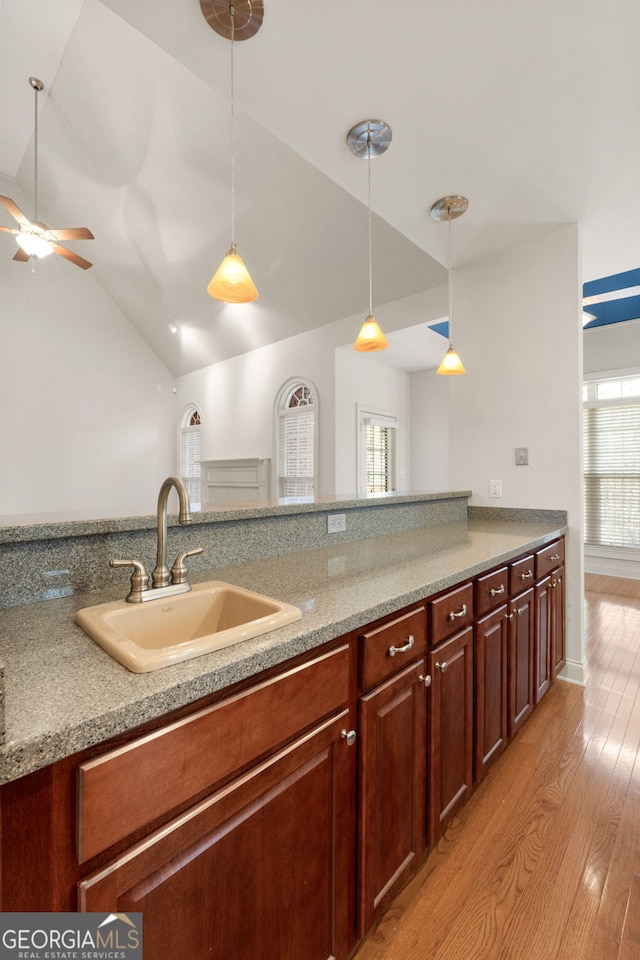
(297, 438)
(190, 455)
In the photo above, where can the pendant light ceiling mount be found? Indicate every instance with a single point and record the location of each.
(369, 139)
(241, 19)
(449, 208)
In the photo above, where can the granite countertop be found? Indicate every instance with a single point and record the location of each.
(63, 693)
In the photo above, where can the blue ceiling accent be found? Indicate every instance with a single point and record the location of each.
(442, 328)
(613, 311)
(618, 281)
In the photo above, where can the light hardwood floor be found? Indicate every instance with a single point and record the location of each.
(543, 863)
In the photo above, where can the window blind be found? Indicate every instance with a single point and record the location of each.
(612, 475)
(297, 452)
(190, 463)
(379, 458)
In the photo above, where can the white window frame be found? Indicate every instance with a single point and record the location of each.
(282, 412)
(590, 387)
(383, 418)
(193, 481)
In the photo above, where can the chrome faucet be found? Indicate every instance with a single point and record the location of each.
(164, 582)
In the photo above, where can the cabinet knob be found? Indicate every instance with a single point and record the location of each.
(509, 616)
(461, 613)
(426, 680)
(350, 736)
(442, 666)
(496, 591)
(407, 646)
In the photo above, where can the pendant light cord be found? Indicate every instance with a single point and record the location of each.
(449, 285)
(369, 205)
(35, 154)
(232, 11)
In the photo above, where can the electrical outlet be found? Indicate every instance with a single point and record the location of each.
(336, 523)
(522, 456)
(495, 488)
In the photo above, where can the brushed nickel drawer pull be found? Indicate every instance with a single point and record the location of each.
(442, 666)
(496, 591)
(349, 736)
(426, 680)
(554, 556)
(527, 575)
(460, 613)
(393, 650)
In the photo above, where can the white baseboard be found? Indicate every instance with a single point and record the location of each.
(612, 567)
(573, 672)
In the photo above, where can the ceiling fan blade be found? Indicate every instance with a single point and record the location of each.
(9, 230)
(15, 211)
(72, 233)
(21, 255)
(72, 257)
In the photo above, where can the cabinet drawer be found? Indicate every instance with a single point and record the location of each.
(133, 785)
(390, 647)
(549, 558)
(451, 612)
(521, 574)
(491, 590)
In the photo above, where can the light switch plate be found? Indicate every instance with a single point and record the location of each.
(522, 456)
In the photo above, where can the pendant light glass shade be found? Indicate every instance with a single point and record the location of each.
(370, 337)
(451, 363)
(231, 282)
(450, 208)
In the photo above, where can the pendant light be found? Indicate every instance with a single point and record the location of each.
(370, 139)
(232, 282)
(450, 208)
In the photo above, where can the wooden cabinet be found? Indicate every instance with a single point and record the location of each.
(261, 868)
(450, 722)
(557, 634)
(542, 655)
(491, 689)
(392, 760)
(521, 621)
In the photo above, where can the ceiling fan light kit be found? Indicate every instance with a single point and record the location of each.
(36, 240)
(450, 208)
(369, 139)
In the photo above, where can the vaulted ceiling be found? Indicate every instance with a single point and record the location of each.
(529, 109)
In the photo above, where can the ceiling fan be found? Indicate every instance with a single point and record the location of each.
(36, 239)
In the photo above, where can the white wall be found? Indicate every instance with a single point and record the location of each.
(360, 380)
(429, 430)
(519, 332)
(236, 398)
(86, 408)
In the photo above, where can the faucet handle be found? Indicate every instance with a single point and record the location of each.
(179, 568)
(139, 579)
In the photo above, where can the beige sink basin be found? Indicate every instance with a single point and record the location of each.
(147, 636)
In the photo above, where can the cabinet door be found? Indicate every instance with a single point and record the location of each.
(491, 665)
(393, 802)
(521, 659)
(542, 673)
(450, 720)
(557, 621)
(261, 869)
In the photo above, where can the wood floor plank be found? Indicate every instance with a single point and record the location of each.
(543, 862)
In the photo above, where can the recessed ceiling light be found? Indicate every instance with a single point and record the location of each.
(173, 327)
